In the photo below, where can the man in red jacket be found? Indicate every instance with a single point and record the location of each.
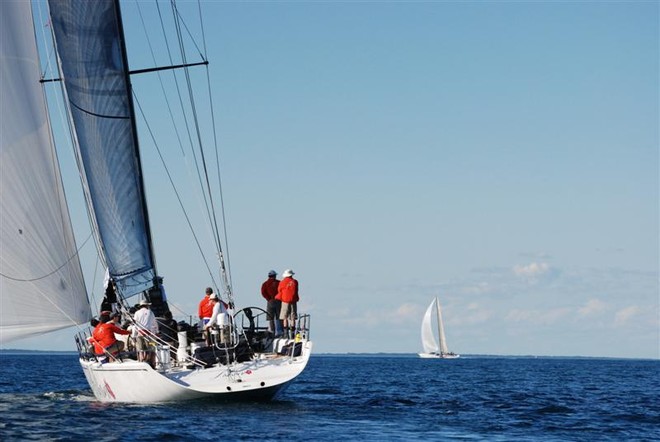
(104, 335)
(287, 292)
(205, 309)
(269, 292)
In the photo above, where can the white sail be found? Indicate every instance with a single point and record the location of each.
(41, 283)
(429, 343)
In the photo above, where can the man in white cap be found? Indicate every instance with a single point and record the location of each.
(146, 327)
(287, 292)
(269, 292)
(218, 319)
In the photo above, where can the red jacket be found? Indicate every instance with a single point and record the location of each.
(269, 288)
(287, 291)
(104, 336)
(205, 309)
(95, 339)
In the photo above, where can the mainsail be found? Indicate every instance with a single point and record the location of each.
(41, 283)
(93, 61)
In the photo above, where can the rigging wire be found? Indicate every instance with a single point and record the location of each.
(176, 192)
(180, 19)
(210, 211)
(96, 267)
(217, 156)
(212, 214)
(184, 114)
(176, 17)
(193, 108)
(160, 78)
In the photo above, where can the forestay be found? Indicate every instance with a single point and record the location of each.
(41, 283)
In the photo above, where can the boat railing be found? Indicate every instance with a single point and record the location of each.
(83, 344)
(248, 328)
(303, 323)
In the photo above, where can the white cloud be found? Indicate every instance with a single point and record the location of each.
(479, 288)
(403, 314)
(592, 307)
(624, 315)
(537, 317)
(475, 316)
(406, 311)
(339, 313)
(531, 270)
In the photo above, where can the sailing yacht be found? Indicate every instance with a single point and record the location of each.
(429, 343)
(42, 287)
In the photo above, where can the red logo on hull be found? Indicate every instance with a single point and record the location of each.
(107, 387)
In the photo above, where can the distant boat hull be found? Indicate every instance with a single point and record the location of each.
(439, 356)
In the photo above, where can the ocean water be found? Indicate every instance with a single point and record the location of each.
(371, 397)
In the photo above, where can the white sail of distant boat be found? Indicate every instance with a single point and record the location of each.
(41, 284)
(429, 343)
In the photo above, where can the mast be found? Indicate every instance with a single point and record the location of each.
(441, 332)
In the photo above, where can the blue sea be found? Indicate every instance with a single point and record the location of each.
(353, 397)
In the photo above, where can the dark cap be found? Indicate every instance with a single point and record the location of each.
(209, 290)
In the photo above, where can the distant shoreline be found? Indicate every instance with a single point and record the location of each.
(16, 351)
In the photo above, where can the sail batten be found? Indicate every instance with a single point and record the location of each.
(41, 284)
(92, 58)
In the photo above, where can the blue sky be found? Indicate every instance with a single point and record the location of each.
(502, 156)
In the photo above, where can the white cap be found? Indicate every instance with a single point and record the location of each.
(213, 296)
(288, 272)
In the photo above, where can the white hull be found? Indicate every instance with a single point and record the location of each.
(132, 381)
(439, 356)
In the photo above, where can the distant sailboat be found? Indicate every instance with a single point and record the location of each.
(429, 343)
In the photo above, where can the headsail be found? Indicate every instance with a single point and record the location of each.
(41, 283)
(428, 337)
(94, 69)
